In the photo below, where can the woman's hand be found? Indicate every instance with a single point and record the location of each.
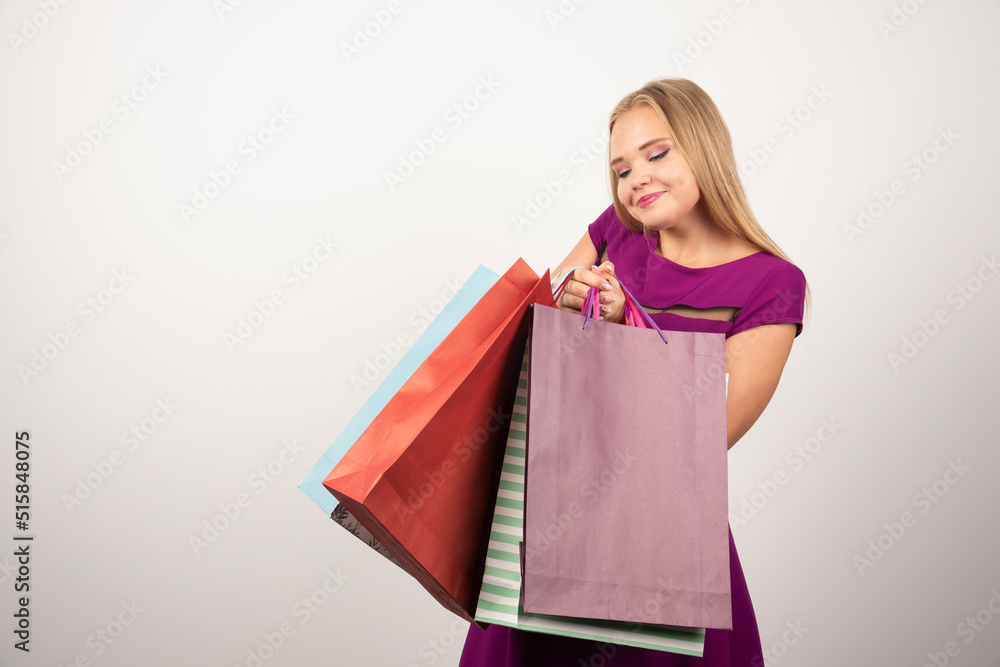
(610, 295)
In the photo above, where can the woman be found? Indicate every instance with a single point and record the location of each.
(682, 238)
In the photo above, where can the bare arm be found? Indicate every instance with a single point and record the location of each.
(754, 361)
(754, 358)
(583, 254)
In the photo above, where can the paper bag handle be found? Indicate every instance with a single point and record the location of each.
(635, 315)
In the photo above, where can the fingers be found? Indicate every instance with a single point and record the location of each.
(610, 296)
(573, 295)
(576, 289)
(607, 269)
(570, 302)
(588, 277)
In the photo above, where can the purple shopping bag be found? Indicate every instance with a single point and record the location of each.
(626, 492)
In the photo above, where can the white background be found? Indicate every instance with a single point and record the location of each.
(64, 233)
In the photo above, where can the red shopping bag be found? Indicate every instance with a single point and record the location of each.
(423, 477)
(626, 492)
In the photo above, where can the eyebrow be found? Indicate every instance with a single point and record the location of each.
(643, 147)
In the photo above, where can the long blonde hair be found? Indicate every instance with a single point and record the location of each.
(702, 138)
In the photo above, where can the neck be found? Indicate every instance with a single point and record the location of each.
(694, 240)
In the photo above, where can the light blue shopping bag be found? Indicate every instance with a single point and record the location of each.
(467, 296)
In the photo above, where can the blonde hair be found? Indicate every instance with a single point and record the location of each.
(702, 138)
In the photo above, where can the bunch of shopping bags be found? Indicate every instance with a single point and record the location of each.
(544, 470)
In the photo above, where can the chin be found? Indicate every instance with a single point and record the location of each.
(649, 222)
(639, 215)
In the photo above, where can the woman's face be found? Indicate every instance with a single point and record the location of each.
(654, 182)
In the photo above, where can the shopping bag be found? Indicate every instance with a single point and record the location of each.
(626, 495)
(461, 303)
(422, 478)
(350, 523)
(500, 595)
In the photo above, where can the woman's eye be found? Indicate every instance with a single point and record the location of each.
(624, 173)
(659, 155)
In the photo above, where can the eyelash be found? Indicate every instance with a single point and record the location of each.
(654, 158)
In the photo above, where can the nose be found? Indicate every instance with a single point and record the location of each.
(640, 178)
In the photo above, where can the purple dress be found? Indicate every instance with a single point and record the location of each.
(765, 290)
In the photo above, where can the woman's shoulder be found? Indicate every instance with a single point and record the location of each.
(775, 292)
(610, 232)
(608, 223)
(763, 264)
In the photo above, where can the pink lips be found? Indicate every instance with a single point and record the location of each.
(648, 199)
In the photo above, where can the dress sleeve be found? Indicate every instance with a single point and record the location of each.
(779, 298)
(602, 229)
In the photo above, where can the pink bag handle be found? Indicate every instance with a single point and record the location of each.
(635, 315)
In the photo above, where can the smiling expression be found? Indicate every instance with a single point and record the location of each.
(655, 184)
